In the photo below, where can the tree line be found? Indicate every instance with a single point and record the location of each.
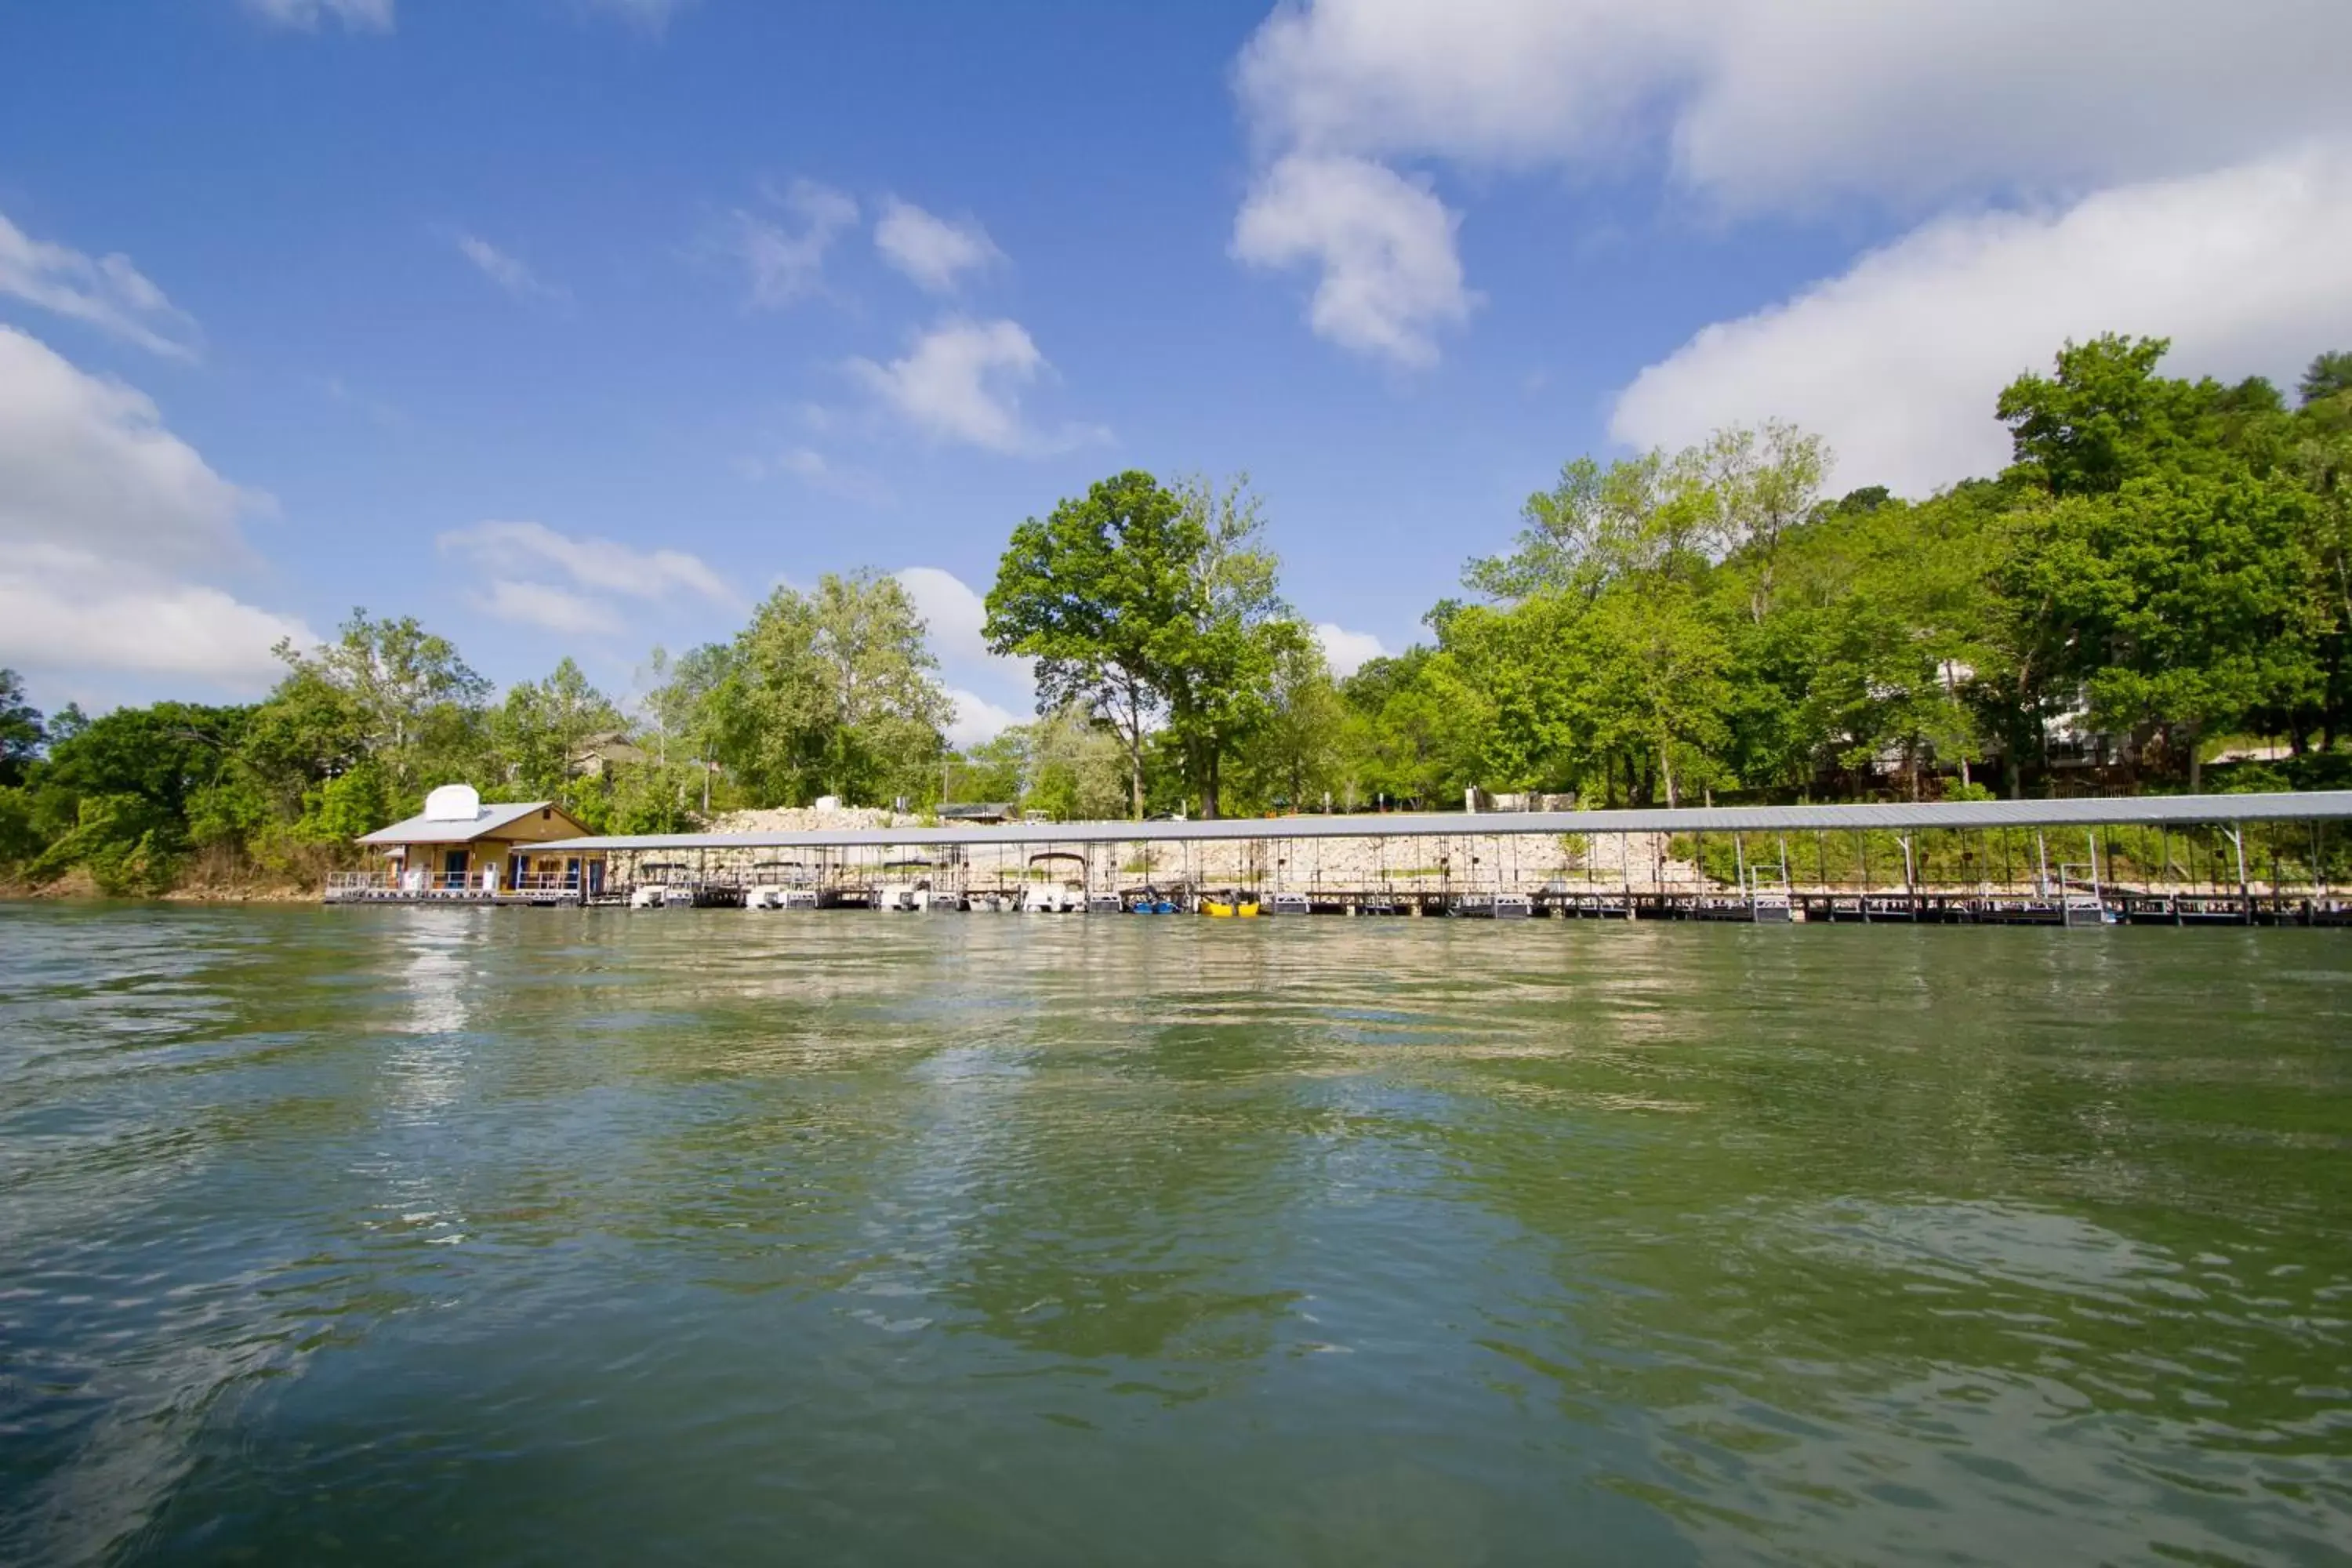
(2164, 569)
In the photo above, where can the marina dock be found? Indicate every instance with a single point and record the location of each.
(2275, 859)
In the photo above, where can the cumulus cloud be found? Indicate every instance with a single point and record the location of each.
(1345, 651)
(92, 620)
(1773, 105)
(600, 567)
(962, 379)
(953, 613)
(106, 518)
(1901, 99)
(977, 720)
(508, 271)
(356, 15)
(86, 463)
(1390, 274)
(105, 292)
(547, 607)
(931, 250)
(785, 261)
(1898, 360)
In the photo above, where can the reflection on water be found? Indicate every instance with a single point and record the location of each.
(555, 1236)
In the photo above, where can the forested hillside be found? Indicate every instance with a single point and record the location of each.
(2160, 577)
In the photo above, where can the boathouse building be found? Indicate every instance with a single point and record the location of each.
(457, 845)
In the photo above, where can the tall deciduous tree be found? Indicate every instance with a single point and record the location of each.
(1220, 678)
(542, 726)
(1294, 756)
(832, 692)
(416, 701)
(2170, 546)
(1103, 594)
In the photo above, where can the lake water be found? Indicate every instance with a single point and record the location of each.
(411, 1235)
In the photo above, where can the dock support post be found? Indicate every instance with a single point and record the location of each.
(2237, 831)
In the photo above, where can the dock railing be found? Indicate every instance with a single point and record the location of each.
(423, 887)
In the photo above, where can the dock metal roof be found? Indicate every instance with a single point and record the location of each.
(488, 820)
(2139, 810)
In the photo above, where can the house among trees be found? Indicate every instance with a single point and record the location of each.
(458, 844)
(602, 753)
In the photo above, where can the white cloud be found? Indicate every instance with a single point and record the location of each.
(977, 721)
(1761, 105)
(931, 250)
(961, 381)
(508, 272)
(95, 620)
(103, 515)
(107, 292)
(601, 565)
(86, 463)
(1898, 360)
(953, 614)
(783, 263)
(1384, 243)
(1345, 651)
(553, 609)
(806, 462)
(819, 472)
(357, 15)
(1767, 101)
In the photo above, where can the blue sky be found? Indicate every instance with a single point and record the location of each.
(576, 325)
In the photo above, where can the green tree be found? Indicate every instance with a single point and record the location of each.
(2104, 417)
(20, 841)
(2323, 463)
(700, 710)
(541, 729)
(309, 730)
(1153, 607)
(992, 770)
(655, 798)
(832, 692)
(1296, 753)
(1220, 678)
(1761, 484)
(1618, 562)
(20, 730)
(2328, 375)
(1104, 595)
(347, 806)
(1074, 766)
(2164, 553)
(417, 704)
(114, 797)
(1405, 736)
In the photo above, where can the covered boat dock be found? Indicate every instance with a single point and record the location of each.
(2275, 858)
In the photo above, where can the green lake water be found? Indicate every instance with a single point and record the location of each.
(445, 1236)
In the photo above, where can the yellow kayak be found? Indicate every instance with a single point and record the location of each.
(1228, 911)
